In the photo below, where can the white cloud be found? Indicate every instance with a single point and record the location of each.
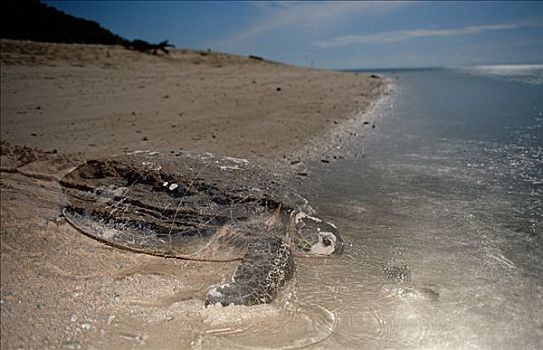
(312, 15)
(395, 36)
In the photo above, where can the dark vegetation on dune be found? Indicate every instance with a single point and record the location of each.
(35, 21)
(32, 20)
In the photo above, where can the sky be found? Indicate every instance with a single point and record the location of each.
(338, 35)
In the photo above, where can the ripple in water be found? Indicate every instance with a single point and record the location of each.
(286, 324)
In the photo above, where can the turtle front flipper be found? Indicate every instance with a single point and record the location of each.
(265, 268)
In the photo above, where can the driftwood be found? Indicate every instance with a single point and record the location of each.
(144, 46)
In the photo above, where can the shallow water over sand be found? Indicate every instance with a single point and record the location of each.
(443, 215)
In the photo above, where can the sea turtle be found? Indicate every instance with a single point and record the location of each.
(203, 207)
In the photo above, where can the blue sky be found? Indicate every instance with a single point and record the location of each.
(335, 34)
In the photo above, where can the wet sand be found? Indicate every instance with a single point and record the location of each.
(61, 104)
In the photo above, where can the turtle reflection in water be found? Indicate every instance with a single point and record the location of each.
(200, 207)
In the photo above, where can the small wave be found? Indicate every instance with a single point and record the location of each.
(524, 73)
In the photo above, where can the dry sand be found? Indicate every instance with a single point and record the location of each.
(100, 100)
(67, 103)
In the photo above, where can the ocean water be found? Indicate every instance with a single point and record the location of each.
(444, 215)
(442, 211)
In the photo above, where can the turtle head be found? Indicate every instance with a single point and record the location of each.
(314, 236)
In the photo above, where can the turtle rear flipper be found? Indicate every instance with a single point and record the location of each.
(263, 271)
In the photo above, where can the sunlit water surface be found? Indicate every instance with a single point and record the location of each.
(442, 210)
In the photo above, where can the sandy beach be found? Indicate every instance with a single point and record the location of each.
(100, 100)
(62, 104)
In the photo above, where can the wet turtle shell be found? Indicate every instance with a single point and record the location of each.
(200, 206)
(176, 204)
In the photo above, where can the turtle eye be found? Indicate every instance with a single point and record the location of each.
(326, 242)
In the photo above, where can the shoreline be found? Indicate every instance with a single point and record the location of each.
(345, 141)
(334, 143)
